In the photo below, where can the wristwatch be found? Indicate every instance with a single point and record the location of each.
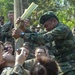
(22, 34)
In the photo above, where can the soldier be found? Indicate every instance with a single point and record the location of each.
(7, 28)
(58, 34)
(8, 47)
(14, 67)
(44, 66)
(1, 20)
(39, 51)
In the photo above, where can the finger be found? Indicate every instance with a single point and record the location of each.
(18, 20)
(23, 52)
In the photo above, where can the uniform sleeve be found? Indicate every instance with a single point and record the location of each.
(4, 30)
(18, 70)
(6, 71)
(28, 64)
(59, 32)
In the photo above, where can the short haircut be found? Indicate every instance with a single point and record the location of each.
(41, 47)
(7, 43)
(11, 11)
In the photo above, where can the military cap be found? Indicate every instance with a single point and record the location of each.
(46, 16)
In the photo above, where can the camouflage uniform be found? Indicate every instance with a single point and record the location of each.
(28, 64)
(17, 70)
(7, 32)
(62, 39)
(32, 45)
(70, 72)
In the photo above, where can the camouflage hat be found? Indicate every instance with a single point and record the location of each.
(46, 16)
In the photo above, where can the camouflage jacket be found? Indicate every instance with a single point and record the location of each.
(7, 31)
(70, 72)
(7, 28)
(17, 70)
(32, 45)
(62, 39)
(28, 64)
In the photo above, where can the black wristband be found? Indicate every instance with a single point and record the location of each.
(22, 34)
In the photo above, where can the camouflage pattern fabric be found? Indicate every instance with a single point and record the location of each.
(70, 72)
(32, 50)
(63, 44)
(62, 37)
(28, 64)
(32, 45)
(6, 71)
(17, 70)
(7, 31)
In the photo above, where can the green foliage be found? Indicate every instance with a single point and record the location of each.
(5, 6)
(64, 9)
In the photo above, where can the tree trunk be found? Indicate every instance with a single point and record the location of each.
(18, 11)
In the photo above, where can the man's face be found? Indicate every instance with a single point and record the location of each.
(26, 51)
(11, 16)
(8, 48)
(39, 52)
(49, 24)
(8, 57)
